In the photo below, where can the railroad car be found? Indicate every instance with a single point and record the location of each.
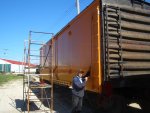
(110, 38)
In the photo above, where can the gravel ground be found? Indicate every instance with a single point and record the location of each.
(11, 97)
(11, 101)
(63, 101)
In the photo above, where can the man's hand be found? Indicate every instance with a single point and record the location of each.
(86, 78)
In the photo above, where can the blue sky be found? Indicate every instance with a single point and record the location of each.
(18, 17)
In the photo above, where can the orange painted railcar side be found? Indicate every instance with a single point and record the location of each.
(77, 46)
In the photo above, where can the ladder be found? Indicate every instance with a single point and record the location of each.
(37, 94)
(113, 56)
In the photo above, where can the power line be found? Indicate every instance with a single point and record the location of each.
(69, 14)
(63, 17)
(4, 51)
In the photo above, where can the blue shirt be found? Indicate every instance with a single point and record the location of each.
(78, 85)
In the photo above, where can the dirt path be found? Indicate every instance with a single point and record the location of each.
(11, 100)
(11, 95)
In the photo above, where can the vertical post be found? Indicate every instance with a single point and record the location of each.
(41, 90)
(107, 41)
(28, 107)
(99, 47)
(78, 6)
(29, 42)
(52, 75)
(24, 70)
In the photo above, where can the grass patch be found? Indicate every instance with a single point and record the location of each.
(8, 77)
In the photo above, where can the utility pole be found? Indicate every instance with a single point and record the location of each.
(78, 6)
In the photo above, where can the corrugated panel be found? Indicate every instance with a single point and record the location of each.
(127, 41)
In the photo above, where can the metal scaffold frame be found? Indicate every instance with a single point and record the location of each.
(35, 90)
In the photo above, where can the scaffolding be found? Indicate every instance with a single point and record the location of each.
(37, 94)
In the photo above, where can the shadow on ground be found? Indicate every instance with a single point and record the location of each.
(62, 103)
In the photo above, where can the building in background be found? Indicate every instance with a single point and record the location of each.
(12, 66)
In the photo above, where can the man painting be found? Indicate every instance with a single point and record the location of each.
(78, 85)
